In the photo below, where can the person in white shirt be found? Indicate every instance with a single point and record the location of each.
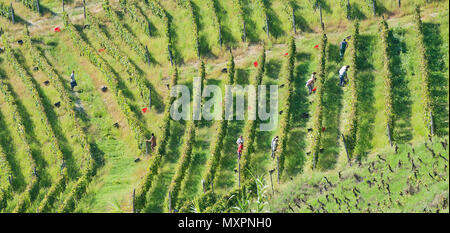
(343, 75)
(240, 140)
(274, 145)
(73, 83)
(310, 82)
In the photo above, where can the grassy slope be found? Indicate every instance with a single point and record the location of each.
(107, 193)
(426, 193)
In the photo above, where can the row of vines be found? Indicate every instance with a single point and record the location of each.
(388, 96)
(85, 49)
(32, 186)
(351, 130)
(132, 10)
(428, 108)
(54, 144)
(87, 159)
(194, 22)
(185, 160)
(159, 11)
(153, 168)
(250, 126)
(286, 109)
(221, 131)
(120, 31)
(113, 50)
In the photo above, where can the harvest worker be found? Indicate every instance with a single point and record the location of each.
(73, 83)
(153, 142)
(310, 82)
(343, 75)
(239, 151)
(240, 140)
(274, 145)
(343, 47)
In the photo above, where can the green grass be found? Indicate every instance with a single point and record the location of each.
(429, 193)
(116, 149)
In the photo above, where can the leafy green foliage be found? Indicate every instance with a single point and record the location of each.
(387, 77)
(194, 21)
(28, 81)
(155, 163)
(250, 126)
(221, 131)
(125, 35)
(318, 111)
(31, 189)
(424, 71)
(286, 115)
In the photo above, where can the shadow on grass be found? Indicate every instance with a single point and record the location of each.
(356, 12)
(18, 181)
(35, 146)
(300, 21)
(242, 76)
(299, 105)
(250, 25)
(274, 22)
(190, 187)
(225, 178)
(273, 68)
(20, 20)
(366, 99)
(53, 119)
(158, 192)
(438, 80)
(401, 105)
(332, 105)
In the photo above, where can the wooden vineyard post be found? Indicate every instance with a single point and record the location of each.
(134, 200)
(244, 36)
(389, 134)
(12, 14)
(431, 124)
(146, 147)
(203, 186)
(239, 171)
(278, 169)
(63, 5)
(37, 6)
(345, 146)
(348, 10)
(147, 56)
(399, 4)
(314, 160)
(271, 182)
(321, 21)
(294, 27)
(212, 187)
(84, 8)
(170, 54)
(267, 28)
(220, 35)
(149, 98)
(374, 8)
(170, 202)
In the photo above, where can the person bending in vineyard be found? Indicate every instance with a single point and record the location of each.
(343, 75)
(343, 47)
(274, 146)
(73, 83)
(152, 141)
(240, 149)
(240, 140)
(310, 82)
